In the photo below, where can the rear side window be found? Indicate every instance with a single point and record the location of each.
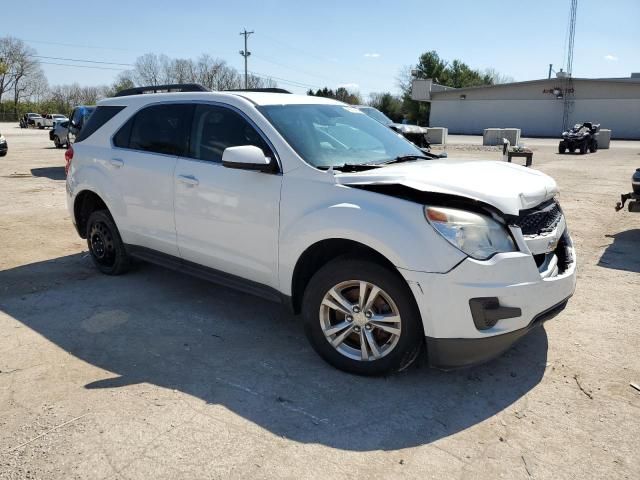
(158, 128)
(216, 128)
(97, 119)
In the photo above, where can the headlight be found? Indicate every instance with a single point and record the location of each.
(479, 236)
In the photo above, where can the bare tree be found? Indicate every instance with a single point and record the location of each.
(24, 68)
(497, 77)
(150, 69)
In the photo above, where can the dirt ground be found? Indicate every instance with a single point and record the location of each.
(159, 375)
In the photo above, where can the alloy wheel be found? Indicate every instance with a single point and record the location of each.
(360, 320)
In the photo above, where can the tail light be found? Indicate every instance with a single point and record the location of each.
(68, 156)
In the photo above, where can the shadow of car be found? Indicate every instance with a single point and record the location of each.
(225, 347)
(623, 253)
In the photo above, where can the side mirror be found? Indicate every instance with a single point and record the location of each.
(246, 157)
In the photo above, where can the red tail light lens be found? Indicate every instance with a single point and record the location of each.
(68, 156)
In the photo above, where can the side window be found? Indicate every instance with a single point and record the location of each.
(121, 138)
(158, 128)
(216, 128)
(98, 118)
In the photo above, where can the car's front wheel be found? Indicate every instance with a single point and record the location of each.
(105, 245)
(361, 317)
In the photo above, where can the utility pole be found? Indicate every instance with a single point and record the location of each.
(245, 53)
(568, 80)
(550, 69)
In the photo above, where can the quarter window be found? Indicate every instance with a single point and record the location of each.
(216, 128)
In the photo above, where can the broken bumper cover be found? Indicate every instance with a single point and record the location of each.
(521, 298)
(450, 353)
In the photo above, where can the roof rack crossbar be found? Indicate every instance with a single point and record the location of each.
(174, 87)
(261, 90)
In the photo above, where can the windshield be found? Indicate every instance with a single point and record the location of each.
(58, 116)
(376, 115)
(336, 135)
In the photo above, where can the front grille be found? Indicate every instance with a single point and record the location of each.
(541, 219)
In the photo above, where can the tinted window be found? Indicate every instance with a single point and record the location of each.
(162, 129)
(98, 118)
(121, 139)
(216, 128)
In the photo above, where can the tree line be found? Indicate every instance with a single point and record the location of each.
(24, 86)
(399, 107)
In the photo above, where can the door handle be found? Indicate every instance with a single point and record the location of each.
(116, 162)
(188, 180)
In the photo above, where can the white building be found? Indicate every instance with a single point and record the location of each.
(536, 107)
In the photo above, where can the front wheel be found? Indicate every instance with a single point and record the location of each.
(562, 147)
(362, 318)
(105, 245)
(56, 142)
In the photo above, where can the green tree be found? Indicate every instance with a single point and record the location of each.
(388, 104)
(456, 74)
(341, 94)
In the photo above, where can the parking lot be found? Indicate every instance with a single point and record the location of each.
(159, 375)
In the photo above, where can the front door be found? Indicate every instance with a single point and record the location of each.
(227, 219)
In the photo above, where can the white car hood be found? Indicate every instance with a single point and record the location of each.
(508, 187)
(404, 128)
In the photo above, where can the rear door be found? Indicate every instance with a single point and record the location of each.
(142, 163)
(227, 219)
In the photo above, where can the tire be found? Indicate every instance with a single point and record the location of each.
(384, 352)
(583, 148)
(594, 146)
(56, 141)
(572, 149)
(562, 147)
(105, 244)
(41, 127)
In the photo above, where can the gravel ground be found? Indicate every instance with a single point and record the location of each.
(158, 375)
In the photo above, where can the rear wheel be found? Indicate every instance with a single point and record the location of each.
(56, 142)
(361, 317)
(583, 148)
(105, 245)
(572, 149)
(594, 146)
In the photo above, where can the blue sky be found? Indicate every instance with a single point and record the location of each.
(360, 43)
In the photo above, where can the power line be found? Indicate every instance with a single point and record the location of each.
(284, 80)
(75, 45)
(82, 66)
(82, 60)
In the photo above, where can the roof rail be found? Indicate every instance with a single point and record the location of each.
(262, 90)
(174, 87)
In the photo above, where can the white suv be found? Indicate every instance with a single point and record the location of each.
(309, 202)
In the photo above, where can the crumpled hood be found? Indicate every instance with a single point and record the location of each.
(508, 187)
(404, 128)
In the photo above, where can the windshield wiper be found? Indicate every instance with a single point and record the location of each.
(405, 158)
(351, 167)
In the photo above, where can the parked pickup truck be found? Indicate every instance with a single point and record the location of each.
(49, 120)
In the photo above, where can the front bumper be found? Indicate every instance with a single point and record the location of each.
(514, 279)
